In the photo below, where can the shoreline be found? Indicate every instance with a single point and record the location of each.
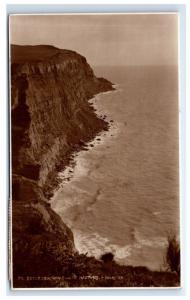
(69, 174)
(69, 162)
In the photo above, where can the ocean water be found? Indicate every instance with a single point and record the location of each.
(123, 195)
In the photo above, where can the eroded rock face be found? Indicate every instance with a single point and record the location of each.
(51, 117)
(51, 113)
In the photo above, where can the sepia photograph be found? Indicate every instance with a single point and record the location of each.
(94, 143)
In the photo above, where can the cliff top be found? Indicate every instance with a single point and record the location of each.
(37, 53)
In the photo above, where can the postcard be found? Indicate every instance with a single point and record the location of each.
(94, 117)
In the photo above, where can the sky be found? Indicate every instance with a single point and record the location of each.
(125, 39)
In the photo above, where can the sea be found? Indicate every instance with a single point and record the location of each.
(122, 195)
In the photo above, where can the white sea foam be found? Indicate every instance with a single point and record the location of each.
(95, 245)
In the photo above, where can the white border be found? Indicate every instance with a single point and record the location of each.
(3, 156)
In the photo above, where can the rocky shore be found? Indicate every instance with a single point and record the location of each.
(51, 119)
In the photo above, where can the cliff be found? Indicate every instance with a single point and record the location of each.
(52, 118)
(51, 115)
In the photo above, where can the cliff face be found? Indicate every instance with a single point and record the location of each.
(51, 114)
(51, 118)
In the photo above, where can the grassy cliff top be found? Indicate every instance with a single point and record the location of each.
(37, 53)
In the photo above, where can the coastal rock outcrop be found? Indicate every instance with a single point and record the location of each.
(50, 112)
(51, 118)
